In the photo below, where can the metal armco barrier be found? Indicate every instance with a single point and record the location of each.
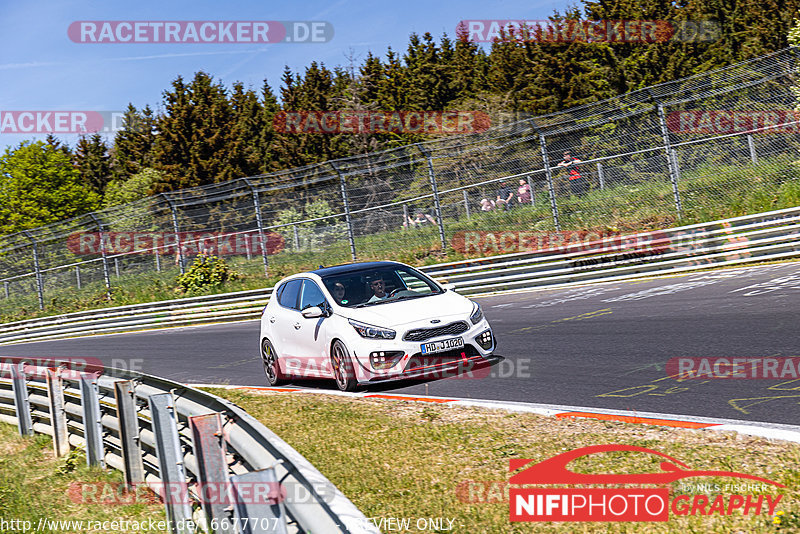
(762, 237)
(187, 445)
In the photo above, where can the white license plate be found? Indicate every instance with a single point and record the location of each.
(441, 346)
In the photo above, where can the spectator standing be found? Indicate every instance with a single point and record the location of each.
(524, 192)
(577, 183)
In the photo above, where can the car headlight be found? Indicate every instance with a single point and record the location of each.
(477, 313)
(372, 332)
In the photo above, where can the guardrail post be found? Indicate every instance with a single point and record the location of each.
(129, 432)
(106, 276)
(261, 238)
(257, 517)
(37, 270)
(170, 462)
(549, 173)
(673, 173)
(22, 404)
(58, 415)
(348, 220)
(209, 451)
(600, 175)
(466, 202)
(752, 146)
(92, 426)
(176, 230)
(435, 189)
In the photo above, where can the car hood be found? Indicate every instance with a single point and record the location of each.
(446, 307)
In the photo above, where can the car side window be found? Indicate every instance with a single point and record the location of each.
(288, 298)
(312, 296)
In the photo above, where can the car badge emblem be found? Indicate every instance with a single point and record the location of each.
(434, 321)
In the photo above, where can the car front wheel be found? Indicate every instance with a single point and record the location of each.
(343, 367)
(270, 360)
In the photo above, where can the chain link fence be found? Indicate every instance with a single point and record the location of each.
(714, 145)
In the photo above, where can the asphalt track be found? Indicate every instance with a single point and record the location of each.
(602, 345)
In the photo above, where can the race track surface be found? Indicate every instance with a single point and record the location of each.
(602, 345)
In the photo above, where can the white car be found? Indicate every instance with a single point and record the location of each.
(371, 322)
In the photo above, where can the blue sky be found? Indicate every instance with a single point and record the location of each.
(42, 69)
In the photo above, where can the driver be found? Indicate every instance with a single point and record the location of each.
(378, 287)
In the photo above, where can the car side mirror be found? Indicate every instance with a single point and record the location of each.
(448, 287)
(313, 312)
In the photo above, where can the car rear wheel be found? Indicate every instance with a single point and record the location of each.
(270, 360)
(343, 367)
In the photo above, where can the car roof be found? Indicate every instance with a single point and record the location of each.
(354, 267)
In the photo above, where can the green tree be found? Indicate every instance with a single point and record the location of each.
(133, 144)
(93, 161)
(39, 185)
(138, 186)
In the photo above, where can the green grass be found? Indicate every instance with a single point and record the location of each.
(413, 460)
(707, 193)
(34, 486)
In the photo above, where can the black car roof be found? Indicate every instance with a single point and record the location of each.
(354, 267)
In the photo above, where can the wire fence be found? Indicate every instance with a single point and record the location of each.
(711, 146)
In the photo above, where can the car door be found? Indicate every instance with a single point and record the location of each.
(311, 337)
(283, 319)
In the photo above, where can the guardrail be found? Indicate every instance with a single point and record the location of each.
(202, 454)
(762, 237)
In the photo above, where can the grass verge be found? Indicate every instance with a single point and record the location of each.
(35, 488)
(412, 460)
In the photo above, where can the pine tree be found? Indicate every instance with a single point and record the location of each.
(93, 162)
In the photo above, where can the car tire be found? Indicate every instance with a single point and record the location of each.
(343, 370)
(270, 360)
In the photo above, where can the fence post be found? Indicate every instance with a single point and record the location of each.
(175, 228)
(530, 188)
(78, 276)
(752, 146)
(435, 189)
(208, 443)
(5, 287)
(37, 270)
(22, 404)
(58, 415)
(673, 173)
(106, 276)
(405, 215)
(296, 238)
(346, 202)
(92, 426)
(170, 462)
(158, 261)
(549, 174)
(261, 239)
(466, 202)
(116, 266)
(600, 175)
(676, 165)
(129, 432)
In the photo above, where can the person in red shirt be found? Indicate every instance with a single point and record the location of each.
(577, 183)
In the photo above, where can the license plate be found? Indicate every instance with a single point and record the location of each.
(441, 346)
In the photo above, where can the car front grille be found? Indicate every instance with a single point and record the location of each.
(422, 334)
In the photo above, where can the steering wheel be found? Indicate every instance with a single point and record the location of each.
(394, 292)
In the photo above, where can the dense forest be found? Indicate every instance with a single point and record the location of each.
(209, 132)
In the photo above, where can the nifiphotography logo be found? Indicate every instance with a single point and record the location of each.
(635, 504)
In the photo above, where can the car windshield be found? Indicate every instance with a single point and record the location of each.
(370, 287)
